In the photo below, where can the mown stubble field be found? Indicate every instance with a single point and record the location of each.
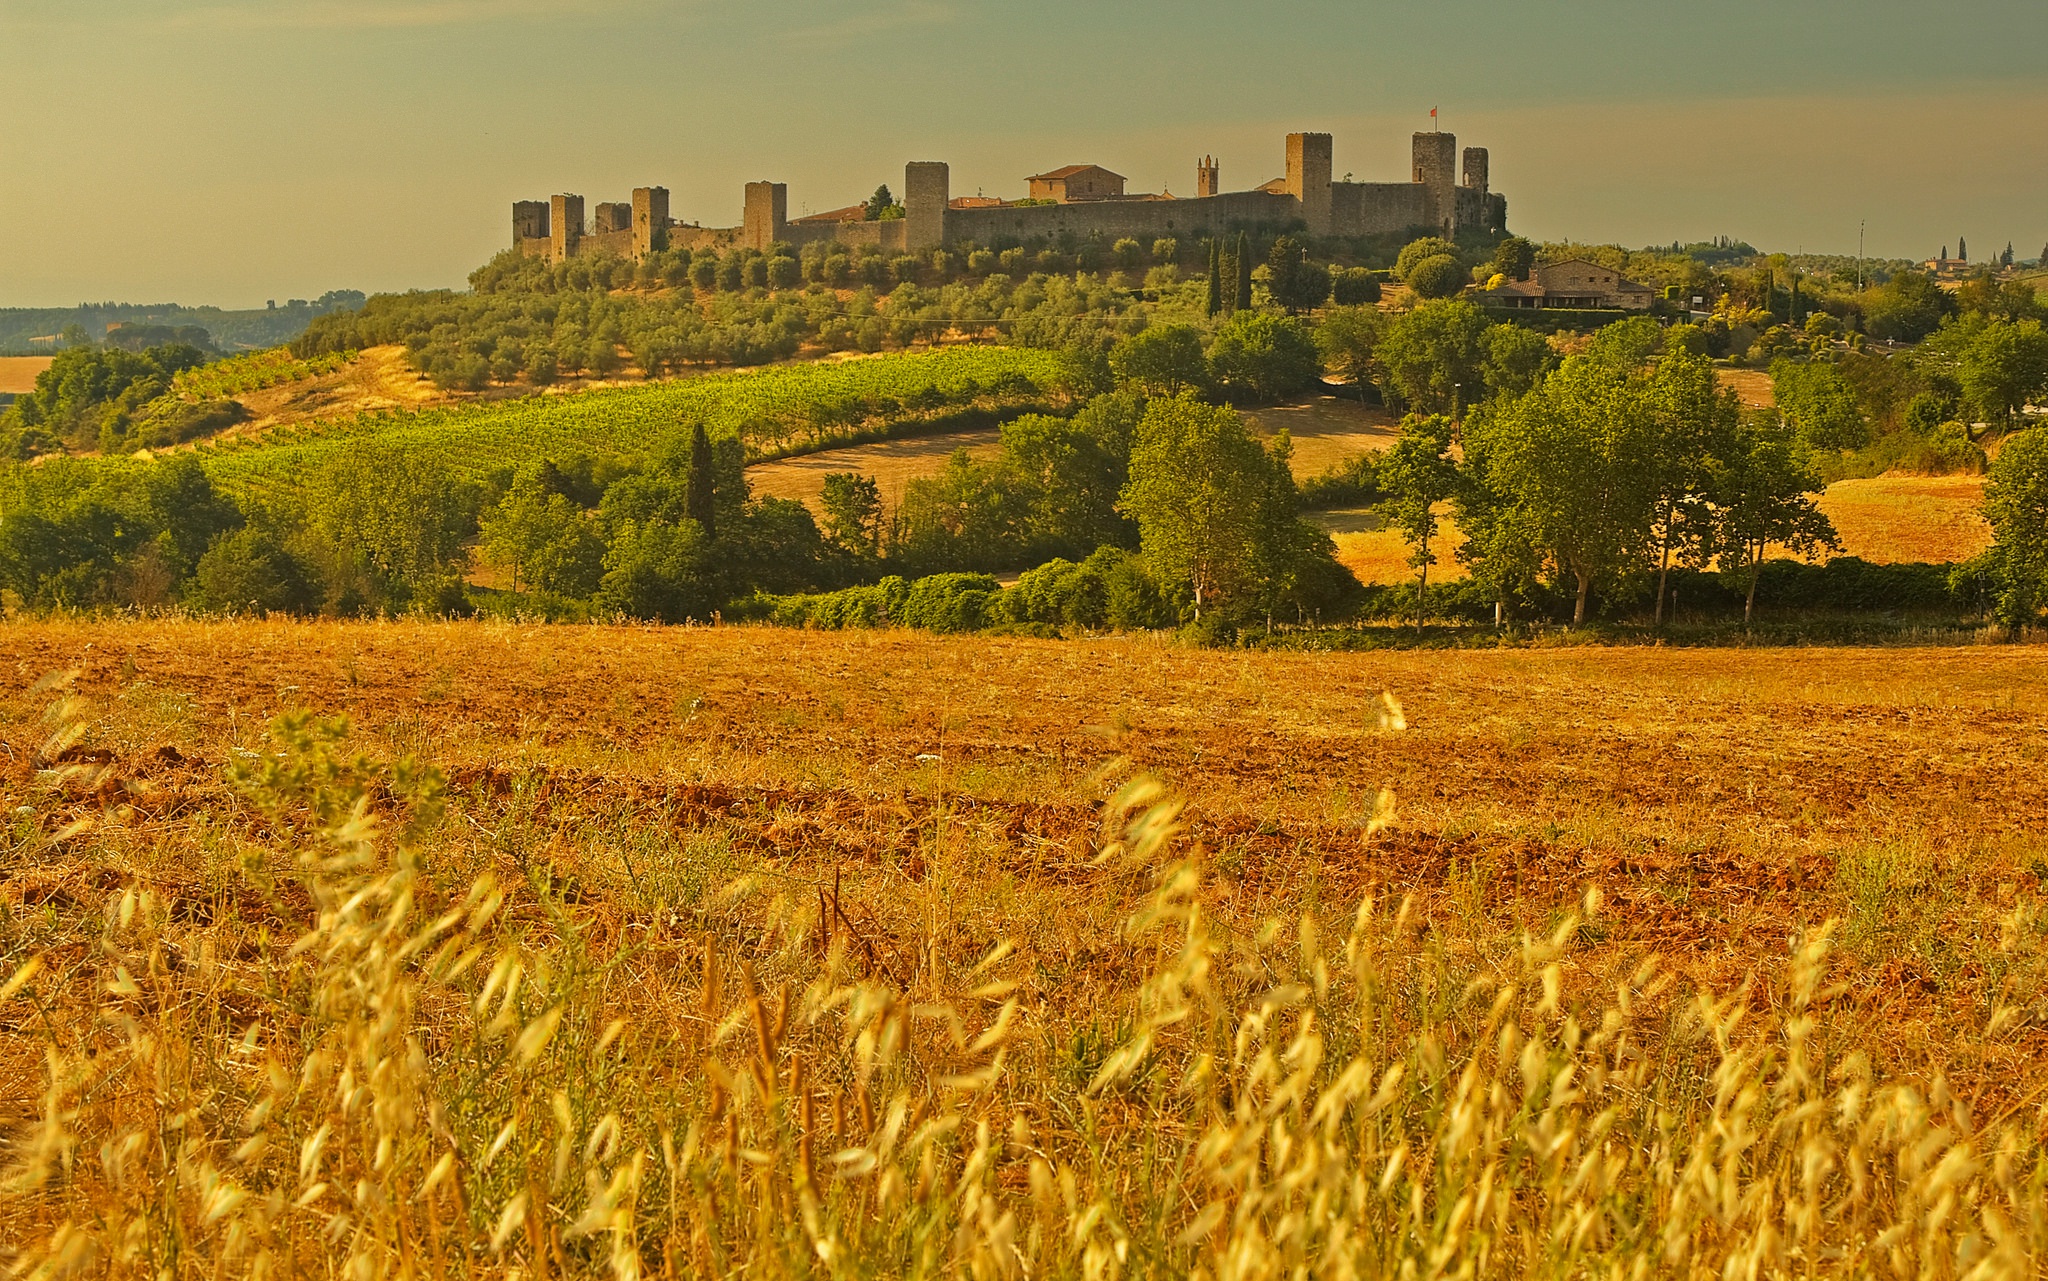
(900, 806)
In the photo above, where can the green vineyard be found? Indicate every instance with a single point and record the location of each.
(776, 411)
(252, 372)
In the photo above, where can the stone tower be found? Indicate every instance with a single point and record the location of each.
(1208, 178)
(1475, 169)
(1308, 178)
(927, 193)
(529, 221)
(566, 227)
(767, 215)
(1436, 168)
(650, 219)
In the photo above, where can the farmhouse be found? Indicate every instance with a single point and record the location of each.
(1573, 283)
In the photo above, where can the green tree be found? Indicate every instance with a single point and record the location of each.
(1263, 356)
(1906, 308)
(1349, 339)
(1764, 496)
(543, 538)
(1693, 421)
(1569, 472)
(1214, 304)
(1514, 258)
(972, 515)
(1354, 287)
(853, 513)
(1072, 471)
(1418, 474)
(402, 516)
(1200, 490)
(1295, 283)
(879, 204)
(1438, 277)
(1416, 252)
(1819, 405)
(1432, 355)
(1996, 366)
(249, 570)
(701, 483)
(1513, 360)
(2016, 503)
(1163, 360)
(1242, 262)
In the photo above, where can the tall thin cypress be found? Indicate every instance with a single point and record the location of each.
(1215, 276)
(1244, 271)
(700, 496)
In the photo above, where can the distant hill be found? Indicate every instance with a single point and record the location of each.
(21, 327)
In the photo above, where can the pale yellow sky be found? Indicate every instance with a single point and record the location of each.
(236, 150)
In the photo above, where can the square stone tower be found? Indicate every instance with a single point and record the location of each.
(927, 194)
(1436, 168)
(1475, 169)
(650, 219)
(1308, 178)
(767, 215)
(1208, 178)
(566, 230)
(529, 221)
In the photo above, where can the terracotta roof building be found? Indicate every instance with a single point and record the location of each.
(1573, 283)
(1076, 183)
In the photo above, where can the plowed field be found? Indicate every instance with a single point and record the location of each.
(1720, 799)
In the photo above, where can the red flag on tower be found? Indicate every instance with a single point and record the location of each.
(1432, 117)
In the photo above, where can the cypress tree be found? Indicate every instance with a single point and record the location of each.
(1770, 292)
(1215, 276)
(700, 492)
(1244, 271)
(1962, 250)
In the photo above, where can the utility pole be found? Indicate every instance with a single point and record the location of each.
(1860, 224)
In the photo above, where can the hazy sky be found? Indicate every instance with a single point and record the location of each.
(229, 151)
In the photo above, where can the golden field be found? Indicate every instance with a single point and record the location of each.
(739, 952)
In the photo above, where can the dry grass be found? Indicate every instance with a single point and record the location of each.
(18, 373)
(1377, 554)
(893, 464)
(1753, 387)
(860, 962)
(1906, 519)
(1327, 431)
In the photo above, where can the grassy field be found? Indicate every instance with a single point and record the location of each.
(18, 374)
(1907, 519)
(875, 959)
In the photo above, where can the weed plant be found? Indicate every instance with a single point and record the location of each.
(382, 1061)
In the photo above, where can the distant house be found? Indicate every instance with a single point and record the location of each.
(1573, 283)
(852, 213)
(1077, 183)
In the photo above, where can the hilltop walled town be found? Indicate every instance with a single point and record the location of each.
(1074, 200)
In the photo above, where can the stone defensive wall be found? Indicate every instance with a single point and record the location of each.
(1116, 219)
(1435, 199)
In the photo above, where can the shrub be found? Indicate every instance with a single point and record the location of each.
(948, 602)
(1437, 277)
(1354, 287)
